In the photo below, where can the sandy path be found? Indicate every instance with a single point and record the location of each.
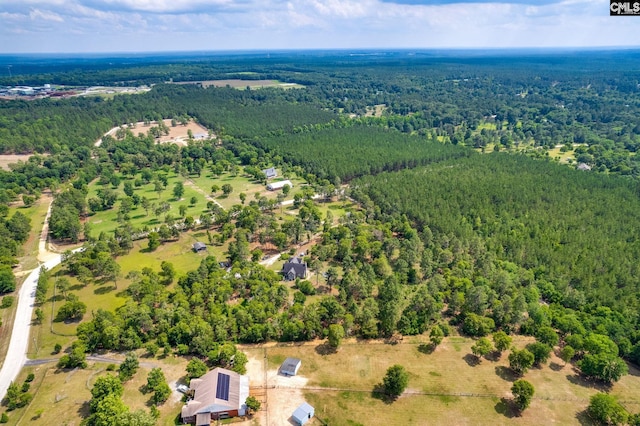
(193, 185)
(44, 255)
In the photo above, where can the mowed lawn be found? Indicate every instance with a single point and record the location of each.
(445, 387)
(107, 220)
(242, 184)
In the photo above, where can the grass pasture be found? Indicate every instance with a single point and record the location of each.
(107, 220)
(65, 394)
(105, 295)
(445, 387)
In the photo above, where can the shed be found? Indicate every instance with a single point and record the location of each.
(274, 186)
(303, 414)
(199, 246)
(290, 366)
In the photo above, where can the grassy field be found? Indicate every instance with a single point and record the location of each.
(241, 184)
(107, 221)
(106, 295)
(64, 394)
(445, 387)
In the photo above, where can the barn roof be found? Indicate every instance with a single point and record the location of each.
(217, 391)
(270, 172)
(199, 246)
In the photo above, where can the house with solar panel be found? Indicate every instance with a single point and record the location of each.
(219, 394)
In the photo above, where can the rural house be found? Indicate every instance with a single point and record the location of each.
(303, 414)
(270, 172)
(198, 247)
(274, 186)
(290, 366)
(294, 268)
(219, 394)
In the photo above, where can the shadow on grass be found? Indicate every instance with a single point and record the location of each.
(507, 408)
(325, 349)
(378, 393)
(471, 360)
(426, 348)
(583, 418)
(580, 380)
(633, 371)
(76, 287)
(506, 373)
(84, 410)
(493, 356)
(555, 366)
(104, 289)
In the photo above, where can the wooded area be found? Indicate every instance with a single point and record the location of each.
(444, 238)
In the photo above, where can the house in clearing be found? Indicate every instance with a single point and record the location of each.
(294, 268)
(290, 366)
(274, 186)
(584, 166)
(198, 247)
(270, 172)
(303, 414)
(219, 394)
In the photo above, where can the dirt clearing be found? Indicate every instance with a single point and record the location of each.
(279, 395)
(178, 134)
(243, 84)
(6, 159)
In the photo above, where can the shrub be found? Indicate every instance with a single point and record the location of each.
(7, 302)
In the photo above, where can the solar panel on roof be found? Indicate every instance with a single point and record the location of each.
(222, 389)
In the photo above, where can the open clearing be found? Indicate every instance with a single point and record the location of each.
(242, 84)
(445, 387)
(6, 159)
(177, 134)
(64, 394)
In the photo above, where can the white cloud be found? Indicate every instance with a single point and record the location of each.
(47, 15)
(116, 25)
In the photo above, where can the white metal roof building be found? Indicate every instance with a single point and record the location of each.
(290, 366)
(274, 186)
(303, 414)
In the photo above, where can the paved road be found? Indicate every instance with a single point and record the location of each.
(19, 344)
(17, 353)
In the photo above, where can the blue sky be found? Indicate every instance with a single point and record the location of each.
(50, 26)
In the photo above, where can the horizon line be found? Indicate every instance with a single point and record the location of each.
(336, 49)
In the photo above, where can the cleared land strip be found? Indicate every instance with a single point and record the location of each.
(413, 392)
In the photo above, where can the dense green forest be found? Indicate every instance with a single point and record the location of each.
(346, 152)
(444, 236)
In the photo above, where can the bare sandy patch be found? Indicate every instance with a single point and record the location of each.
(284, 396)
(6, 159)
(242, 84)
(280, 395)
(178, 134)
